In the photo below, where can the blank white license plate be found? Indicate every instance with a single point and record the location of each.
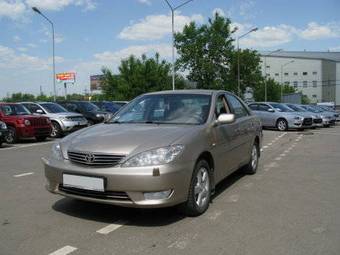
(83, 182)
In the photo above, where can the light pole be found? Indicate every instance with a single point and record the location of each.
(265, 72)
(238, 59)
(173, 9)
(53, 49)
(282, 66)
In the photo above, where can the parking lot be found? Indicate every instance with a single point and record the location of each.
(291, 206)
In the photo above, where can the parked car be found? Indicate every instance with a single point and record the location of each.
(63, 121)
(107, 106)
(22, 124)
(163, 149)
(317, 120)
(90, 111)
(276, 115)
(3, 132)
(328, 119)
(331, 110)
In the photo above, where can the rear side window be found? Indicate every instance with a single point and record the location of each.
(237, 107)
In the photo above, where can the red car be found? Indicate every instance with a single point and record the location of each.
(21, 124)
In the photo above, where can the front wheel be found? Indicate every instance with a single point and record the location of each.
(282, 125)
(56, 130)
(11, 137)
(199, 190)
(251, 167)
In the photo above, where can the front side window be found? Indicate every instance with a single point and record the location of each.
(253, 107)
(221, 106)
(237, 107)
(32, 107)
(53, 108)
(191, 109)
(263, 107)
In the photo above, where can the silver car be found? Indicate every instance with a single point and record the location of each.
(162, 149)
(328, 119)
(317, 120)
(63, 121)
(276, 115)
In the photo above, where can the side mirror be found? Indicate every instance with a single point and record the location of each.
(225, 119)
(39, 111)
(271, 110)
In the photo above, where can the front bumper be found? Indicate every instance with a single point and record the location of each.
(298, 124)
(34, 131)
(124, 186)
(70, 126)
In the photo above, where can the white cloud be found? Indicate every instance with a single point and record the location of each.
(10, 59)
(156, 26)
(22, 49)
(56, 5)
(316, 31)
(32, 45)
(336, 48)
(147, 2)
(12, 9)
(16, 39)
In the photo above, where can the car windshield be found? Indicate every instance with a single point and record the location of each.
(53, 108)
(166, 109)
(326, 108)
(310, 109)
(89, 107)
(296, 108)
(111, 106)
(281, 108)
(14, 109)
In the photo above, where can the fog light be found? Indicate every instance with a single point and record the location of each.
(157, 195)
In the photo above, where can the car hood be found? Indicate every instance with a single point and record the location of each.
(125, 138)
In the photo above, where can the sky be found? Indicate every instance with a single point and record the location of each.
(91, 34)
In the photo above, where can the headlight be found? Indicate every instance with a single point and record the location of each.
(48, 121)
(99, 115)
(154, 157)
(56, 152)
(3, 125)
(27, 122)
(298, 118)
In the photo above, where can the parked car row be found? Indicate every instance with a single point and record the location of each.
(293, 116)
(47, 119)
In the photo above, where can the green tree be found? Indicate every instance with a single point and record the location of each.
(137, 76)
(273, 90)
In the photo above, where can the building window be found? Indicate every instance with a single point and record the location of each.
(295, 73)
(276, 74)
(315, 96)
(315, 73)
(267, 66)
(286, 74)
(315, 84)
(268, 74)
(304, 73)
(305, 84)
(287, 82)
(295, 83)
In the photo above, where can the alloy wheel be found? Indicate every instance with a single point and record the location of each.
(201, 190)
(254, 157)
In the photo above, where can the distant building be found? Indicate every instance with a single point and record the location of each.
(315, 74)
(96, 83)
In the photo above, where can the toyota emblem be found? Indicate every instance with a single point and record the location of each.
(89, 158)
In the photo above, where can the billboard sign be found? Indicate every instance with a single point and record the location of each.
(67, 77)
(96, 82)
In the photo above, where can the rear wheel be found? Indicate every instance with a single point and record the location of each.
(251, 167)
(282, 125)
(199, 190)
(56, 130)
(11, 137)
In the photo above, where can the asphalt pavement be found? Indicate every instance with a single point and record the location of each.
(291, 206)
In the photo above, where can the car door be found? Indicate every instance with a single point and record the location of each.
(267, 118)
(224, 141)
(246, 128)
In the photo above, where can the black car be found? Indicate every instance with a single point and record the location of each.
(107, 106)
(3, 132)
(90, 111)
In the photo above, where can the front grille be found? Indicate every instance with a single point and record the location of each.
(113, 195)
(317, 121)
(307, 121)
(38, 122)
(75, 118)
(94, 159)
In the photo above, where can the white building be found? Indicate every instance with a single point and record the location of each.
(315, 74)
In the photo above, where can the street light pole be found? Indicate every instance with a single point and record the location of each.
(238, 59)
(173, 9)
(53, 49)
(282, 66)
(265, 72)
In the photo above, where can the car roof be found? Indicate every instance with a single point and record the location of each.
(186, 91)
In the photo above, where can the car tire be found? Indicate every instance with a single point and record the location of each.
(11, 137)
(41, 138)
(282, 125)
(56, 130)
(199, 190)
(251, 167)
(90, 122)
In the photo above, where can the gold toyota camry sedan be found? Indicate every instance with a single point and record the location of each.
(162, 149)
